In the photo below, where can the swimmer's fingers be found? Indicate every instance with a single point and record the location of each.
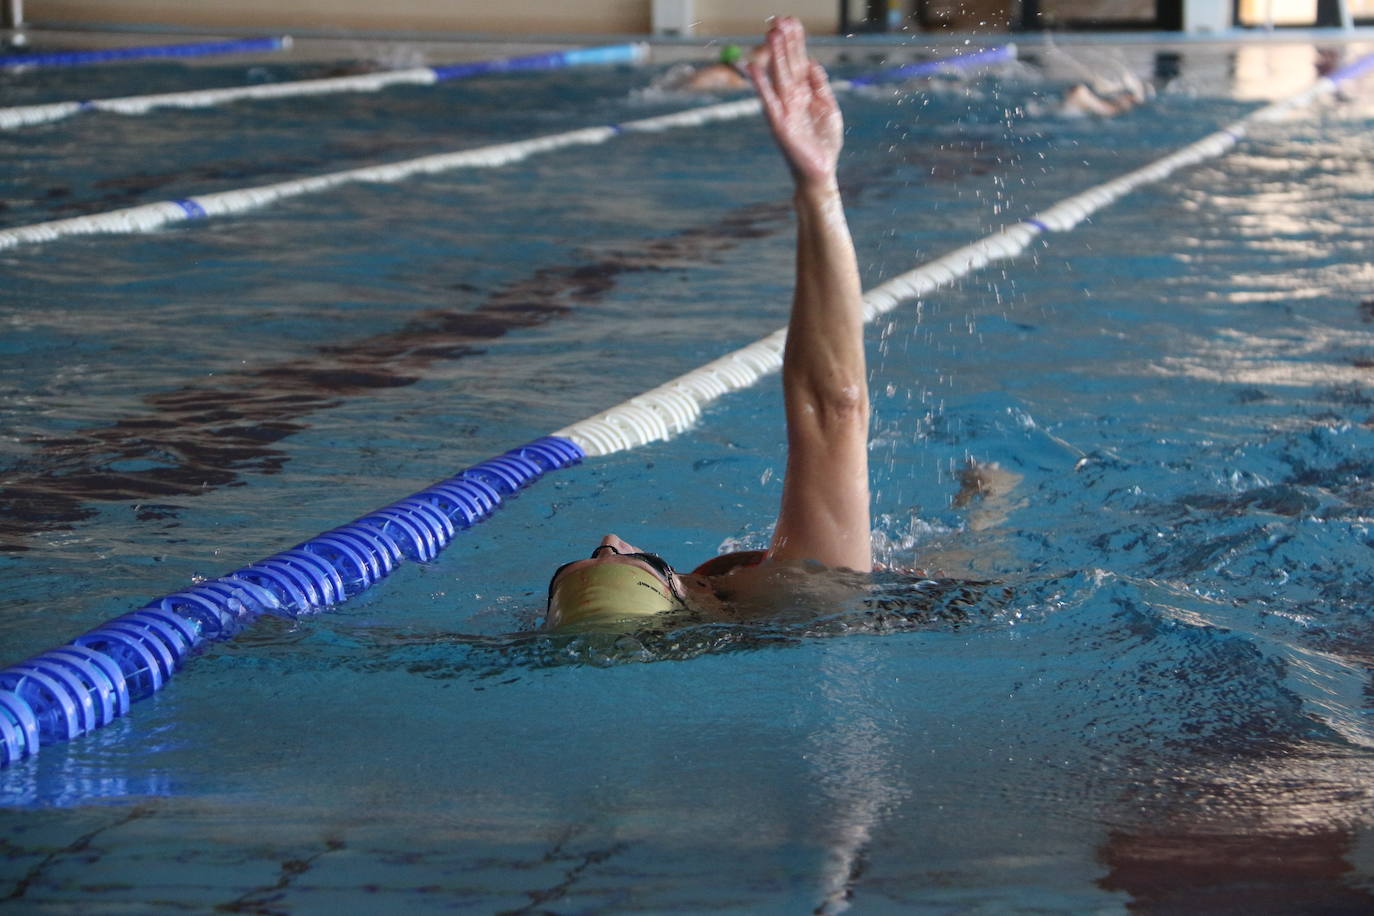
(799, 104)
(775, 93)
(772, 105)
(823, 104)
(820, 82)
(780, 108)
(787, 51)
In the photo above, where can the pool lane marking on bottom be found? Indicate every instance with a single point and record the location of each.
(44, 700)
(24, 115)
(199, 451)
(675, 405)
(147, 217)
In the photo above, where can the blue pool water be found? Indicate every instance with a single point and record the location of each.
(1151, 690)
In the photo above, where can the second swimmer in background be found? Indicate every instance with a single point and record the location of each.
(1081, 99)
(727, 74)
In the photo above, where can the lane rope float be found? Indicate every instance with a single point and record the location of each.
(87, 683)
(25, 115)
(144, 52)
(147, 217)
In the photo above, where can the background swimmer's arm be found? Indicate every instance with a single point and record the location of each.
(825, 503)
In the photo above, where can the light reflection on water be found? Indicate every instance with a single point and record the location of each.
(1154, 693)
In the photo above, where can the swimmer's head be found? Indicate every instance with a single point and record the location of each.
(730, 55)
(610, 587)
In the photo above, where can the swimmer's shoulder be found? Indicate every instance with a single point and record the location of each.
(729, 562)
(749, 585)
(716, 78)
(719, 584)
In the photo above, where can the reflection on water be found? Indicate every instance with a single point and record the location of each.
(1296, 358)
(1270, 835)
(857, 771)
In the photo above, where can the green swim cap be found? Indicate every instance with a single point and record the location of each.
(730, 55)
(604, 593)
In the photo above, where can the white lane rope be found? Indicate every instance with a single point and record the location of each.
(25, 115)
(674, 406)
(147, 217)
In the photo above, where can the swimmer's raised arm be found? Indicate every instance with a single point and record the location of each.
(825, 502)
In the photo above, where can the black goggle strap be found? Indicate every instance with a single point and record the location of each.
(655, 562)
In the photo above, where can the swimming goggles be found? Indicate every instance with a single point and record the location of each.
(656, 564)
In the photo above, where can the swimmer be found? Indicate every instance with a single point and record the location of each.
(727, 74)
(1082, 99)
(823, 521)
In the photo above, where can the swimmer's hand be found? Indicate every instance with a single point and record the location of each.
(799, 105)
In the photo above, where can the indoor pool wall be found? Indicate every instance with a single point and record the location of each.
(1162, 699)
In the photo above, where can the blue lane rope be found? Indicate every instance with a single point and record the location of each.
(89, 682)
(606, 54)
(107, 55)
(1353, 69)
(992, 55)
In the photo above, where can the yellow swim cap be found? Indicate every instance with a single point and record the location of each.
(603, 593)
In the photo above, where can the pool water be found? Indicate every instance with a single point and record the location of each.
(1140, 680)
